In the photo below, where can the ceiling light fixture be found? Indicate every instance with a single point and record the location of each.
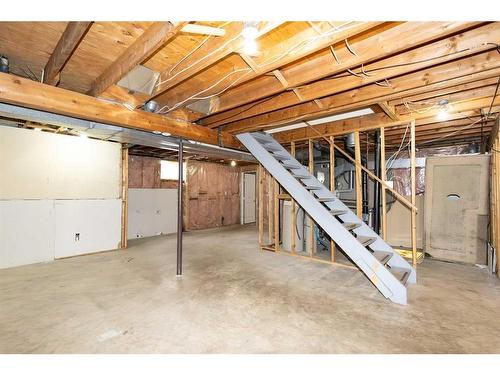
(443, 110)
(249, 34)
(233, 163)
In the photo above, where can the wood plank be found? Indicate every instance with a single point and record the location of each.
(276, 189)
(332, 188)
(359, 195)
(208, 54)
(389, 110)
(31, 94)
(293, 222)
(383, 176)
(386, 42)
(477, 67)
(271, 58)
(124, 226)
(413, 196)
(67, 44)
(261, 205)
(144, 47)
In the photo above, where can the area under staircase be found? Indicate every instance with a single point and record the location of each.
(383, 266)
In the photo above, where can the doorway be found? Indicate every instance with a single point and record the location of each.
(248, 198)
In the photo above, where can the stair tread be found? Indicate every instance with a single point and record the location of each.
(366, 240)
(349, 225)
(402, 274)
(292, 166)
(329, 199)
(262, 136)
(262, 145)
(335, 212)
(301, 175)
(281, 157)
(271, 147)
(382, 256)
(312, 187)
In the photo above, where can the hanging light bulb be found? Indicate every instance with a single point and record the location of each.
(443, 110)
(249, 34)
(250, 30)
(233, 163)
(250, 47)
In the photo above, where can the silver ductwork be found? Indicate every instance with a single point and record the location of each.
(120, 134)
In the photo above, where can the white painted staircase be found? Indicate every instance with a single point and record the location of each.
(385, 268)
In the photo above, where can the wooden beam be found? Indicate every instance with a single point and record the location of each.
(208, 54)
(389, 110)
(481, 66)
(271, 58)
(27, 93)
(332, 188)
(276, 189)
(359, 195)
(312, 245)
(270, 200)
(144, 47)
(124, 227)
(383, 176)
(67, 44)
(293, 222)
(194, 28)
(261, 206)
(413, 196)
(386, 42)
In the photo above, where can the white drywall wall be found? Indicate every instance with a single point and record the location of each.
(41, 165)
(26, 232)
(97, 223)
(151, 212)
(51, 187)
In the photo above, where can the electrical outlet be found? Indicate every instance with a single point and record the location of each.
(77, 237)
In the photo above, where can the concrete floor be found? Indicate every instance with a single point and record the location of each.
(235, 299)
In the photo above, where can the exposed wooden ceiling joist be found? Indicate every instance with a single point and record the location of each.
(462, 45)
(65, 47)
(208, 54)
(27, 93)
(367, 123)
(390, 39)
(477, 67)
(146, 45)
(279, 55)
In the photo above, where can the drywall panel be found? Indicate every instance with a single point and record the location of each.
(42, 165)
(26, 232)
(87, 226)
(456, 207)
(399, 223)
(151, 212)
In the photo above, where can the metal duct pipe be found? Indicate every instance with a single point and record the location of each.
(4, 64)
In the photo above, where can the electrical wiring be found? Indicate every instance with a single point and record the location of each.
(294, 48)
(453, 133)
(414, 62)
(199, 60)
(129, 106)
(166, 109)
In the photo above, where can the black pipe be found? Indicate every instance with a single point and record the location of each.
(364, 185)
(179, 209)
(377, 189)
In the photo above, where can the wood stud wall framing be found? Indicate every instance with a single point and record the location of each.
(275, 196)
